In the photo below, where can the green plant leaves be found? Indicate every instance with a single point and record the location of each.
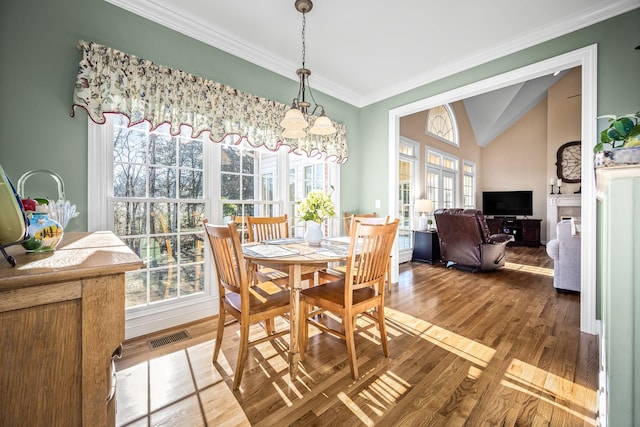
(624, 129)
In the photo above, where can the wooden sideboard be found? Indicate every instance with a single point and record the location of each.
(61, 322)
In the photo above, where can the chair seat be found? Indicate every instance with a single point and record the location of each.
(262, 297)
(333, 292)
(338, 272)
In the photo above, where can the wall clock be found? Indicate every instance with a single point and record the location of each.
(569, 162)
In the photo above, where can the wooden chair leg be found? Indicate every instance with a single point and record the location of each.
(242, 354)
(383, 330)
(216, 349)
(349, 334)
(269, 326)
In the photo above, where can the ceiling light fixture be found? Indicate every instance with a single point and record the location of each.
(294, 121)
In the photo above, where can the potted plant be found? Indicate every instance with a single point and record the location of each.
(314, 209)
(623, 137)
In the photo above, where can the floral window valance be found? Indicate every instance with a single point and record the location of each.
(110, 81)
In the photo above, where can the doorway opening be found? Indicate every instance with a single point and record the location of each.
(586, 58)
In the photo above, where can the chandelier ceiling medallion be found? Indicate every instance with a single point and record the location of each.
(294, 121)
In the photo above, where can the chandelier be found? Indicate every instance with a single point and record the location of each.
(294, 121)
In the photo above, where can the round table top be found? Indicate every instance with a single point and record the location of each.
(290, 251)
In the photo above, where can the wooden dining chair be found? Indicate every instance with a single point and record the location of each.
(241, 225)
(370, 219)
(267, 227)
(359, 292)
(348, 219)
(248, 304)
(262, 228)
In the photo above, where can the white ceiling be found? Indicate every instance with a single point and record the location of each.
(363, 51)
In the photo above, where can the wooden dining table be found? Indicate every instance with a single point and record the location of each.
(295, 257)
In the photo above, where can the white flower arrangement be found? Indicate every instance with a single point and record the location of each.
(316, 207)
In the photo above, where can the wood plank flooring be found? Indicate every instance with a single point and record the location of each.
(500, 348)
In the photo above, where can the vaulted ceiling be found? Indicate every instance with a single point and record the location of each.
(493, 112)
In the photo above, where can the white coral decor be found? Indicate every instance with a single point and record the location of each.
(317, 207)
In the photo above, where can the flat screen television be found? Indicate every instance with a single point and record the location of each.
(507, 203)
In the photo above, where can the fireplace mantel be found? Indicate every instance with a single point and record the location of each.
(556, 204)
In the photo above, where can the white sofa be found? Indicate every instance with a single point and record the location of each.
(565, 251)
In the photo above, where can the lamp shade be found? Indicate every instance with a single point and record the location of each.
(293, 133)
(424, 205)
(322, 126)
(294, 120)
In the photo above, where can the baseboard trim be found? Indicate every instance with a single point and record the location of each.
(136, 326)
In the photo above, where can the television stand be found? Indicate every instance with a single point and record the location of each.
(526, 232)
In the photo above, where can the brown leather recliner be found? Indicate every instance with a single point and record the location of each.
(465, 240)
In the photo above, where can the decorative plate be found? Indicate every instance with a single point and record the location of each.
(13, 221)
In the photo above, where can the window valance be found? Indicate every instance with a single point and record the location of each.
(110, 81)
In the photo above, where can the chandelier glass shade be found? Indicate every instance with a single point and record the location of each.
(295, 119)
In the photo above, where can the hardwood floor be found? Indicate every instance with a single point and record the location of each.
(499, 348)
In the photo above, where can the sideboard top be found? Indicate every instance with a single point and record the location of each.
(79, 255)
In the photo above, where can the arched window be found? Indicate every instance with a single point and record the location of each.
(441, 123)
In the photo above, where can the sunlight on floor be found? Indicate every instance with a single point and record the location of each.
(473, 351)
(186, 381)
(552, 389)
(529, 269)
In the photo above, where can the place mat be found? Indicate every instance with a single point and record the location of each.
(270, 251)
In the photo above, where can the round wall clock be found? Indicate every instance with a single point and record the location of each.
(569, 162)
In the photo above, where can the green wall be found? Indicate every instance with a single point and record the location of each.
(39, 60)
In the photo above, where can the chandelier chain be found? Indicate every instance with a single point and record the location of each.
(304, 46)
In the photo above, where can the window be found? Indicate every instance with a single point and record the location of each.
(153, 190)
(441, 124)
(469, 184)
(441, 172)
(407, 160)
(247, 185)
(307, 174)
(157, 210)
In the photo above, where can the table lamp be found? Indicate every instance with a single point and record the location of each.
(423, 206)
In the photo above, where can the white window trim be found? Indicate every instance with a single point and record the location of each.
(405, 254)
(441, 168)
(148, 319)
(454, 125)
(474, 175)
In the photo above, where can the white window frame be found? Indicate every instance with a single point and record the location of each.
(151, 318)
(148, 318)
(454, 127)
(405, 254)
(441, 171)
(472, 175)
